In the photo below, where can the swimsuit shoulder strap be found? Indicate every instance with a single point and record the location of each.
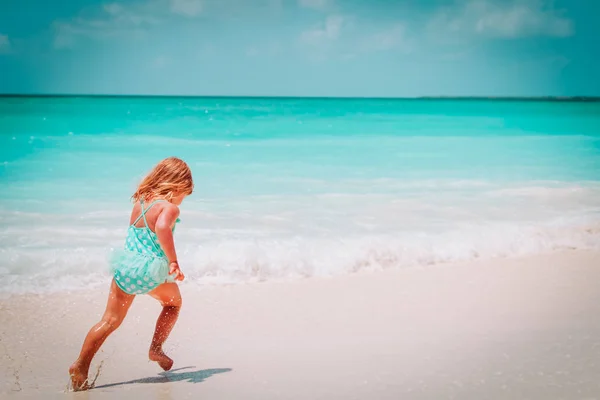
(144, 211)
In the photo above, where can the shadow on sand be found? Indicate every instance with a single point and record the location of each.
(173, 376)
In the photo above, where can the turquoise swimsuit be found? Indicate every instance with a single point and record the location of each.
(142, 264)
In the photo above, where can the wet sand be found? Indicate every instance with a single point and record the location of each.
(523, 328)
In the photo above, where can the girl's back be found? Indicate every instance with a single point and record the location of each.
(143, 265)
(141, 235)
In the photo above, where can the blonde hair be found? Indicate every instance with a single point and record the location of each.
(169, 178)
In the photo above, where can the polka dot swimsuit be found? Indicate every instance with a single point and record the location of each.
(142, 265)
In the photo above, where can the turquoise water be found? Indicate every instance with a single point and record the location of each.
(295, 187)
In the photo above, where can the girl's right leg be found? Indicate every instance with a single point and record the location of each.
(170, 298)
(116, 309)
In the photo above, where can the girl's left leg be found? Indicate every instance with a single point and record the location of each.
(116, 309)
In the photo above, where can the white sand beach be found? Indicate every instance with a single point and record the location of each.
(521, 328)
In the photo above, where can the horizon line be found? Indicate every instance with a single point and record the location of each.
(546, 98)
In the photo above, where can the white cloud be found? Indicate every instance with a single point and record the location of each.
(113, 8)
(395, 37)
(188, 8)
(4, 44)
(328, 31)
(506, 19)
(121, 20)
(315, 4)
(321, 38)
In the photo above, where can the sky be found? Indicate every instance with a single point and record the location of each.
(356, 48)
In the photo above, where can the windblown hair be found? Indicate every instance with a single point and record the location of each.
(169, 178)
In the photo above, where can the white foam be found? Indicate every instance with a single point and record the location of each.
(284, 236)
(211, 258)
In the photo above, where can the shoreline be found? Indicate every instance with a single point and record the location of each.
(211, 282)
(502, 328)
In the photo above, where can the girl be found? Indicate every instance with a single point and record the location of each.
(147, 264)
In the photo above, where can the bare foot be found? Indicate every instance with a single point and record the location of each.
(161, 358)
(78, 377)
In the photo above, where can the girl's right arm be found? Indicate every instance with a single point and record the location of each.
(164, 224)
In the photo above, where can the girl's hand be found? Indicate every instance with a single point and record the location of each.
(175, 270)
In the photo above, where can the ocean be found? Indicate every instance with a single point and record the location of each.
(288, 188)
